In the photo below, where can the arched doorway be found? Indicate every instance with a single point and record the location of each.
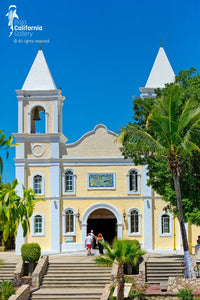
(104, 221)
(98, 206)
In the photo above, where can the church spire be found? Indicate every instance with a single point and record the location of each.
(39, 76)
(161, 73)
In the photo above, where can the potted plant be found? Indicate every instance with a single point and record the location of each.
(30, 253)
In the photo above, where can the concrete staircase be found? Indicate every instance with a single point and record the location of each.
(7, 271)
(159, 268)
(73, 281)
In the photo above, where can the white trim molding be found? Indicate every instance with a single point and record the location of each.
(170, 224)
(129, 192)
(43, 183)
(139, 233)
(73, 192)
(64, 222)
(33, 224)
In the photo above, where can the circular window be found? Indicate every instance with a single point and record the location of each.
(38, 150)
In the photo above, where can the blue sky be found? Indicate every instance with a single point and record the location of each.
(99, 52)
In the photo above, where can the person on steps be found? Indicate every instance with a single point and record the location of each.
(88, 243)
(100, 239)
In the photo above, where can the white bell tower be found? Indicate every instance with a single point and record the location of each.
(40, 138)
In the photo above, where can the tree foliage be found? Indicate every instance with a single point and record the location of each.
(171, 132)
(5, 144)
(160, 177)
(15, 209)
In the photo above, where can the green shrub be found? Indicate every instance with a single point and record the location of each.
(30, 252)
(186, 294)
(6, 290)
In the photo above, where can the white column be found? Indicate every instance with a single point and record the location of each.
(20, 175)
(29, 122)
(119, 231)
(83, 232)
(148, 212)
(46, 122)
(55, 116)
(20, 117)
(55, 206)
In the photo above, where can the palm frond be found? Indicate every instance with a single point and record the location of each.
(103, 261)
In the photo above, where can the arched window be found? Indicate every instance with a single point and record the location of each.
(133, 182)
(165, 224)
(38, 118)
(37, 184)
(69, 222)
(69, 182)
(38, 224)
(134, 222)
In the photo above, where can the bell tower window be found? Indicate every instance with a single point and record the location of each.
(38, 120)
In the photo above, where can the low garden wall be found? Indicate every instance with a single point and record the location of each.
(39, 271)
(23, 293)
(160, 297)
(177, 284)
(37, 274)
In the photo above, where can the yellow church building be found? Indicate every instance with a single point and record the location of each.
(86, 184)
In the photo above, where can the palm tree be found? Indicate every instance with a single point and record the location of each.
(170, 132)
(122, 252)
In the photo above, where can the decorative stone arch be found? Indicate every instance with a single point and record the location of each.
(46, 116)
(107, 206)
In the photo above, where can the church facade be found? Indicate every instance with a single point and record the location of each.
(86, 184)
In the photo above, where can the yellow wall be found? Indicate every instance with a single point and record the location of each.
(193, 232)
(43, 207)
(30, 155)
(121, 181)
(121, 205)
(45, 170)
(162, 242)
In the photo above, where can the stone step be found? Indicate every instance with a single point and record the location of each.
(53, 271)
(78, 270)
(73, 265)
(161, 270)
(74, 285)
(75, 279)
(80, 279)
(65, 296)
(55, 293)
